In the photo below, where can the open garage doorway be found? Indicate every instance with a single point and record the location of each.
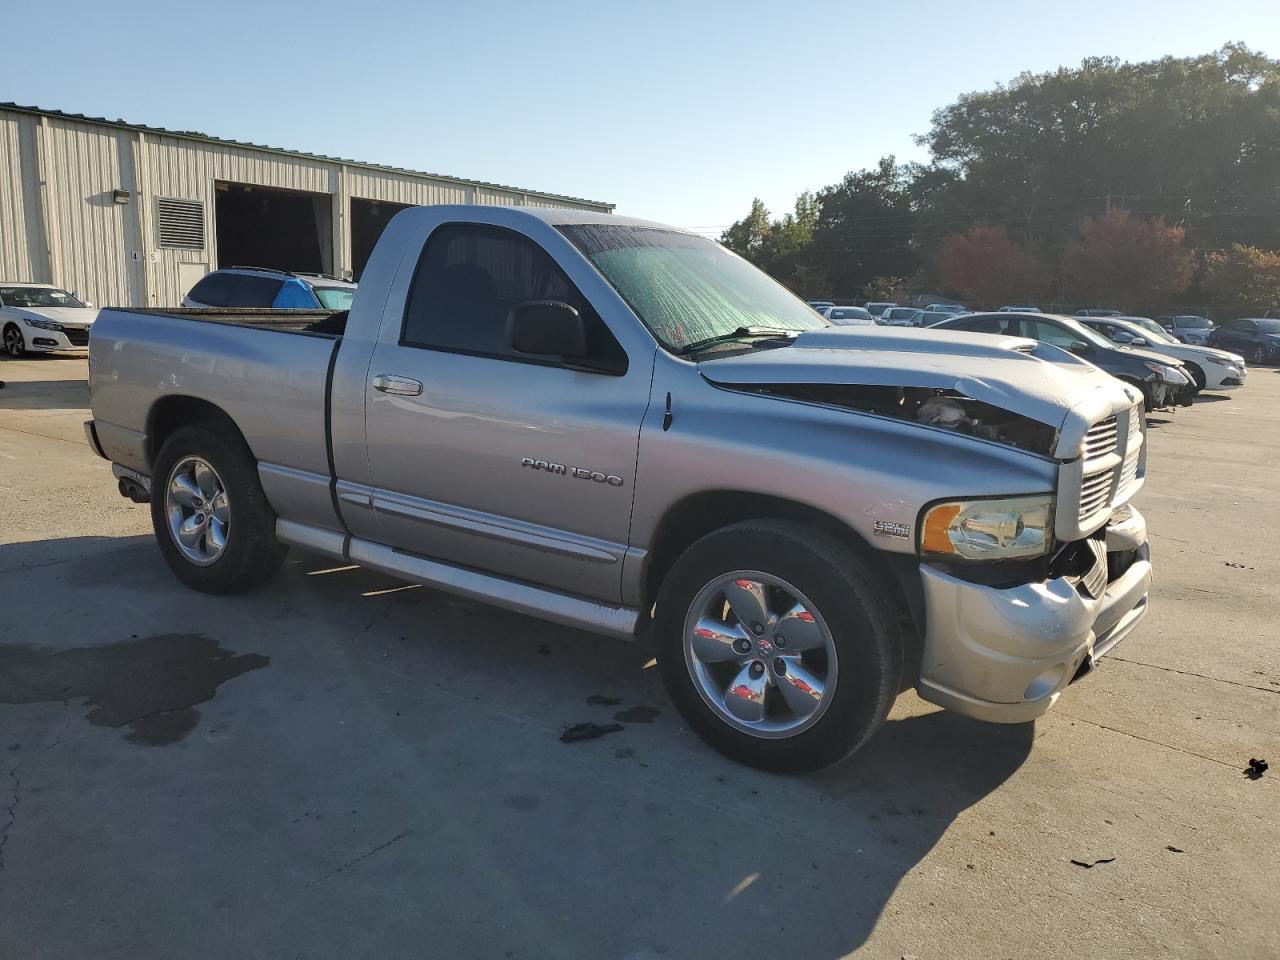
(268, 227)
(368, 219)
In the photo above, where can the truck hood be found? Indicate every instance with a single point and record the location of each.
(1032, 380)
(70, 316)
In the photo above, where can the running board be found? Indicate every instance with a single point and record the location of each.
(525, 598)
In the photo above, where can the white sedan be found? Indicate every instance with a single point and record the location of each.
(41, 318)
(1211, 369)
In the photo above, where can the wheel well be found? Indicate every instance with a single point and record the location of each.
(1196, 371)
(694, 517)
(171, 413)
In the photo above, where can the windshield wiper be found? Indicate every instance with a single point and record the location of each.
(742, 333)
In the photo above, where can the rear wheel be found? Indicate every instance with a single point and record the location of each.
(13, 342)
(775, 645)
(211, 517)
(1259, 355)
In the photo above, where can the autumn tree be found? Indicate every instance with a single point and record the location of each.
(984, 267)
(1243, 281)
(1116, 258)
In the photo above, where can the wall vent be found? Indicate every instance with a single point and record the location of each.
(181, 223)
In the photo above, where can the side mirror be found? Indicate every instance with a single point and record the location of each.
(1079, 347)
(1137, 342)
(547, 327)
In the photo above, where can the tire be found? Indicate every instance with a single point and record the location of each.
(1197, 375)
(792, 562)
(249, 553)
(14, 346)
(1259, 356)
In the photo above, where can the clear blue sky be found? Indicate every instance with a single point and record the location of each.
(676, 111)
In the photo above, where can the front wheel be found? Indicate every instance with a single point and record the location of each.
(211, 517)
(14, 345)
(775, 645)
(1259, 356)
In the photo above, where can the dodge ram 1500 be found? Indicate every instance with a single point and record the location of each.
(620, 426)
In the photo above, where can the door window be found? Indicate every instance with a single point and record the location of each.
(1050, 333)
(467, 282)
(215, 290)
(248, 290)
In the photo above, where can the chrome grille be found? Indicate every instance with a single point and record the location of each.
(1095, 492)
(1101, 439)
(1129, 469)
(1095, 581)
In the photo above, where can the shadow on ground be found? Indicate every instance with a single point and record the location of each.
(397, 774)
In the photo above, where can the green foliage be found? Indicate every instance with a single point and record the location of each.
(883, 289)
(1243, 281)
(1189, 144)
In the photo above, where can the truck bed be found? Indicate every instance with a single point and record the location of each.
(286, 321)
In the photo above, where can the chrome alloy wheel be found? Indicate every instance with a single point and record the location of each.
(13, 344)
(195, 501)
(760, 654)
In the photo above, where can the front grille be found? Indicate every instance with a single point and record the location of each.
(78, 338)
(1095, 581)
(1095, 491)
(1129, 468)
(1101, 439)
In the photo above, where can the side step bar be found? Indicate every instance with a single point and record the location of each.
(535, 601)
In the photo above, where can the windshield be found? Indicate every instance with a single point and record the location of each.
(685, 288)
(37, 297)
(1093, 336)
(1192, 323)
(334, 298)
(1268, 326)
(1153, 331)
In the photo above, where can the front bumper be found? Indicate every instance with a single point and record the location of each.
(69, 339)
(1005, 655)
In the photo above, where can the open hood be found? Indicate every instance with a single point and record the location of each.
(1016, 375)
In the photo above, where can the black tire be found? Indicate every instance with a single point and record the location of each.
(252, 552)
(12, 344)
(1259, 356)
(864, 631)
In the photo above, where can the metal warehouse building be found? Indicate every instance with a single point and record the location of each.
(128, 215)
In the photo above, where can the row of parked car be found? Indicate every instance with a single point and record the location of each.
(1170, 359)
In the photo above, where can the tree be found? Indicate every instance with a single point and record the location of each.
(746, 236)
(984, 267)
(885, 288)
(865, 227)
(780, 247)
(1243, 281)
(1116, 258)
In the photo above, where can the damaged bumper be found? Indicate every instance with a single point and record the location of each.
(1005, 655)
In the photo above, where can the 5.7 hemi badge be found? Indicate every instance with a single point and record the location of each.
(892, 528)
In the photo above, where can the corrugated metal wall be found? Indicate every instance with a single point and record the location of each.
(70, 231)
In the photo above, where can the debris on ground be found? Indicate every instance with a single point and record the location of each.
(589, 731)
(641, 713)
(597, 700)
(1172, 849)
(1090, 865)
(1256, 768)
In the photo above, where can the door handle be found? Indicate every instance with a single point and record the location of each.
(399, 386)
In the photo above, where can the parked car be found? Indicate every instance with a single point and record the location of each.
(936, 311)
(953, 308)
(877, 307)
(1188, 328)
(42, 318)
(1257, 338)
(1159, 378)
(260, 288)
(849, 316)
(1100, 312)
(821, 305)
(1208, 368)
(586, 418)
(902, 316)
(1020, 310)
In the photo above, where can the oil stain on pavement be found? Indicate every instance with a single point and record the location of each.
(151, 685)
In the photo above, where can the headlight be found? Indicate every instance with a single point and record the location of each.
(1165, 372)
(1220, 361)
(42, 324)
(1001, 529)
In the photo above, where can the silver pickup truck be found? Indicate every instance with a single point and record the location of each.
(619, 426)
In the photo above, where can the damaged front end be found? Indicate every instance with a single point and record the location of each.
(932, 407)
